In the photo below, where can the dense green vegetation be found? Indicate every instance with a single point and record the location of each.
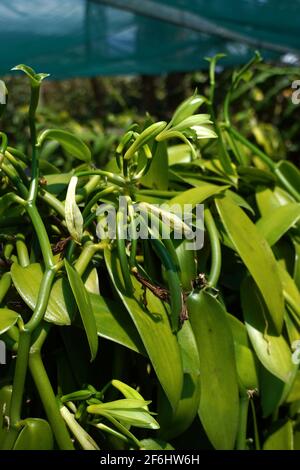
(128, 344)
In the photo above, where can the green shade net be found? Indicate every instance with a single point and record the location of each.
(91, 37)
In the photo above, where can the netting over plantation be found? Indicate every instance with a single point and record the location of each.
(107, 37)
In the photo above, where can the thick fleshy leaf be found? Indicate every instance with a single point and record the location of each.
(219, 397)
(277, 222)
(155, 444)
(70, 142)
(153, 326)
(113, 323)
(281, 438)
(128, 411)
(270, 391)
(91, 281)
(186, 109)
(272, 350)
(126, 390)
(294, 394)
(239, 200)
(8, 318)
(85, 307)
(179, 154)
(35, 435)
(157, 177)
(256, 255)
(268, 199)
(197, 195)
(173, 424)
(61, 306)
(246, 362)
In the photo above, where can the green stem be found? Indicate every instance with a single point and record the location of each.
(256, 434)
(19, 377)
(12, 175)
(84, 439)
(19, 154)
(17, 166)
(41, 234)
(42, 300)
(34, 184)
(96, 198)
(116, 179)
(88, 188)
(216, 257)
(24, 346)
(52, 201)
(49, 401)
(113, 432)
(224, 156)
(123, 430)
(242, 431)
(86, 256)
(267, 160)
(22, 251)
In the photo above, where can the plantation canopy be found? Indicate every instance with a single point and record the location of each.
(107, 37)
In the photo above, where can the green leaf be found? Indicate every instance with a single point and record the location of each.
(91, 280)
(155, 444)
(277, 222)
(113, 323)
(71, 143)
(157, 176)
(197, 195)
(128, 411)
(269, 199)
(290, 289)
(294, 394)
(61, 305)
(35, 435)
(123, 404)
(180, 153)
(219, 397)
(8, 318)
(57, 183)
(246, 362)
(256, 255)
(186, 109)
(271, 350)
(153, 326)
(172, 423)
(35, 78)
(288, 172)
(281, 437)
(85, 307)
(255, 176)
(73, 216)
(127, 391)
(239, 200)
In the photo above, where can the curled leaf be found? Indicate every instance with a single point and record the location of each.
(74, 219)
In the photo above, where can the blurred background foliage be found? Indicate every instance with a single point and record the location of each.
(99, 109)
